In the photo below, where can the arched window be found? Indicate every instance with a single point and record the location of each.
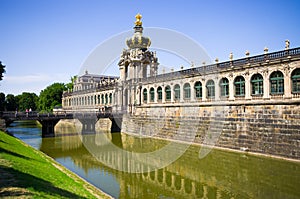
(210, 87)
(152, 94)
(277, 83)
(198, 90)
(145, 95)
(177, 92)
(106, 98)
(95, 99)
(168, 93)
(257, 83)
(102, 99)
(224, 87)
(110, 98)
(159, 93)
(98, 99)
(296, 81)
(187, 91)
(239, 84)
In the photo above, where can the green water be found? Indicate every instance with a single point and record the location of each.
(101, 160)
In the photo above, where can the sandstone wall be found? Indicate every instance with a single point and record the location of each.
(268, 129)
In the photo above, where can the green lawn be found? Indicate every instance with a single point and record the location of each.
(28, 173)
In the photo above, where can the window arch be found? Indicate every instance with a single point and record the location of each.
(239, 84)
(296, 81)
(168, 93)
(198, 90)
(210, 87)
(102, 99)
(159, 93)
(110, 98)
(277, 83)
(99, 99)
(177, 92)
(145, 95)
(257, 83)
(106, 98)
(152, 94)
(224, 87)
(187, 91)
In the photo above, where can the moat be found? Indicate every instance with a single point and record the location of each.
(220, 174)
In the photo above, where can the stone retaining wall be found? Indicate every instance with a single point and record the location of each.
(267, 129)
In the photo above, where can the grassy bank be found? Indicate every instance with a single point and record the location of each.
(28, 173)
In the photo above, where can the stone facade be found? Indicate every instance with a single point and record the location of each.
(249, 104)
(269, 129)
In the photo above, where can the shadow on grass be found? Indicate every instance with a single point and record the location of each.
(13, 153)
(24, 180)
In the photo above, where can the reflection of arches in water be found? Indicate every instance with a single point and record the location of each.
(152, 175)
(199, 190)
(168, 179)
(160, 175)
(188, 186)
(177, 182)
(211, 192)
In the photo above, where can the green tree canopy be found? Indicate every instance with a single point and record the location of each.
(2, 101)
(71, 84)
(11, 102)
(27, 101)
(51, 97)
(2, 70)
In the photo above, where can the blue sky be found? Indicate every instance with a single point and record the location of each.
(43, 42)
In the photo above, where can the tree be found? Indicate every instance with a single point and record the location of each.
(51, 97)
(27, 101)
(2, 70)
(11, 102)
(2, 101)
(71, 84)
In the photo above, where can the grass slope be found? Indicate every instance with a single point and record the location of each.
(28, 173)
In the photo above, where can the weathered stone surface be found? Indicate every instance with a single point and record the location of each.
(267, 129)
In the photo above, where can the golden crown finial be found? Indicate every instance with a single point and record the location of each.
(138, 21)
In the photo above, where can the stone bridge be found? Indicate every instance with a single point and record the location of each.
(49, 120)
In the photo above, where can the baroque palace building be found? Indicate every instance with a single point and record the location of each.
(263, 79)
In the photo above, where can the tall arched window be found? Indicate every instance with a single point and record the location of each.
(177, 92)
(102, 99)
(296, 81)
(210, 87)
(224, 87)
(239, 84)
(145, 95)
(152, 94)
(159, 93)
(198, 90)
(277, 83)
(106, 98)
(187, 91)
(98, 99)
(110, 98)
(168, 93)
(257, 83)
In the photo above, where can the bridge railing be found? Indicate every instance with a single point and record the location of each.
(33, 114)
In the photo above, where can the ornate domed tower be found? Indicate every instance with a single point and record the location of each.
(137, 61)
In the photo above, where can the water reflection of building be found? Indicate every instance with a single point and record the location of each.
(219, 175)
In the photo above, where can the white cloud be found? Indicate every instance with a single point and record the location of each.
(30, 83)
